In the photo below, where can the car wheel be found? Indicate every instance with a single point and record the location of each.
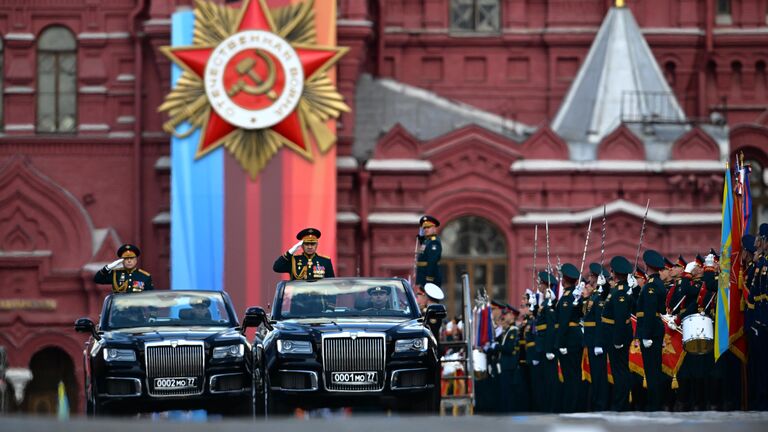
(273, 406)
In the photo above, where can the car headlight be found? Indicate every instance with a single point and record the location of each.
(411, 345)
(115, 354)
(294, 347)
(229, 351)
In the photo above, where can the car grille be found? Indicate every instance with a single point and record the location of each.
(363, 353)
(181, 359)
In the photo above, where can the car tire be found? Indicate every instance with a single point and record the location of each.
(273, 405)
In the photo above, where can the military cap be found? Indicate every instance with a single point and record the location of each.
(595, 268)
(570, 271)
(308, 235)
(433, 291)
(667, 263)
(128, 251)
(639, 273)
(621, 265)
(653, 259)
(428, 221)
(763, 231)
(547, 278)
(378, 289)
(498, 304)
(714, 253)
(748, 243)
(513, 309)
(699, 260)
(681, 262)
(200, 301)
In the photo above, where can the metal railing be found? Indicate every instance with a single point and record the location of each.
(650, 107)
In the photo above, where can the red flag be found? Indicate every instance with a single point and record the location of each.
(635, 356)
(736, 340)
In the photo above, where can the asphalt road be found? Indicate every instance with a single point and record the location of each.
(589, 422)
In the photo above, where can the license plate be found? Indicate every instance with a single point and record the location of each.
(354, 378)
(175, 383)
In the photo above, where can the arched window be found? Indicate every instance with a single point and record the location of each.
(758, 188)
(56, 81)
(475, 246)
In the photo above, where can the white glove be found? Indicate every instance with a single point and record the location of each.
(709, 261)
(114, 264)
(550, 293)
(295, 247)
(631, 281)
(421, 232)
(601, 279)
(532, 300)
(535, 362)
(618, 346)
(550, 356)
(598, 351)
(564, 351)
(754, 330)
(647, 343)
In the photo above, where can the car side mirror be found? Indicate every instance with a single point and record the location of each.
(85, 325)
(255, 316)
(435, 313)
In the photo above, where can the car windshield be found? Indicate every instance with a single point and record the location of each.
(332, 298)
(168, 308)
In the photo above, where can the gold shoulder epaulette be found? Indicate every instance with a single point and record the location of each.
(144, 272)
(323, 256)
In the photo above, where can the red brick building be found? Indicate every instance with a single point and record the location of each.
(455, 108)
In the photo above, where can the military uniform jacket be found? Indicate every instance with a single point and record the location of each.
(592, 309)
(529, 337)
(650, 306)
(428, 260)
(568, 331)
(304, 267)
(616, 314)
(545, 327)
(125, 281)
(749, 311)
(510, 349)
(688, 290)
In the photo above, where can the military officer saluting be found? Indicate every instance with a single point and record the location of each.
(430, 251)
(308, 265)
(124, 274)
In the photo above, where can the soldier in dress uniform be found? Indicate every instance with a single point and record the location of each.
(569, 339)
(547, 383)
(124, 274)
(508, 359)
(686, 294)
(759, 326)
(618, 334)
(532, 355)
(521, 381)
(592, 308)
(308, 265)
(650, 328)
(748, 260)
(430, 251)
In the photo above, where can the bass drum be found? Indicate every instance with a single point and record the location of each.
(698, 334)
(479, 364)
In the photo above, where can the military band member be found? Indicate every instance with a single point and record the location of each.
(124, 274)
(618, 334)
(568, 339)
(308, 265)
(650, 328)
(430, 251)
(593, 301)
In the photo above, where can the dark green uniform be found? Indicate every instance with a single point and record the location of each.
(547, 384)
(509, 360)
(428, 261)
(569, 336)
(593, 337)
(304, 267)
(650, 307)
(125, 281)
(618, 336)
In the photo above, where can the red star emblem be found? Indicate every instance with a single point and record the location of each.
(314, 60)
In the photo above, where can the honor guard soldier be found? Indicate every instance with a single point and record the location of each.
(309, 265)
(547, 382)
(593, 301)
(124, 274)
(430, 251)
(650, 328)
(568, 338)
(748, 264)
(618, 334)
(509, 360)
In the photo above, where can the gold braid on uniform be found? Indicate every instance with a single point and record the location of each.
(302, 274)
(123, 287)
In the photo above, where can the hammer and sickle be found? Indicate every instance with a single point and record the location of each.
(246, 68)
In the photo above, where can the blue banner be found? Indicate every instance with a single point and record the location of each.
(197, 196)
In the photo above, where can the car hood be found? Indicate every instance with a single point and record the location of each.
(316, 327)
(156, 334)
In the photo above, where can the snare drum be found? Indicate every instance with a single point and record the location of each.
(698, 334)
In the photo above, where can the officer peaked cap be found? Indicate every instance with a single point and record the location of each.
(621, 265)
(595, 268)
(681, 262)
(570, 271)
(640, 273)
(433, 291)
(748, 243)
(308, 235)
(128, 251)
(547, 278)
(378, 289)
(667, 263)
(428, 221)
(653, 259)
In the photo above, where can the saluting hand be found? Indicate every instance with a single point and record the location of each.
(295, 247)
(114, 264)
(550, 356)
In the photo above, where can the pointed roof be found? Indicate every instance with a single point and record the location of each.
(620, 71)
